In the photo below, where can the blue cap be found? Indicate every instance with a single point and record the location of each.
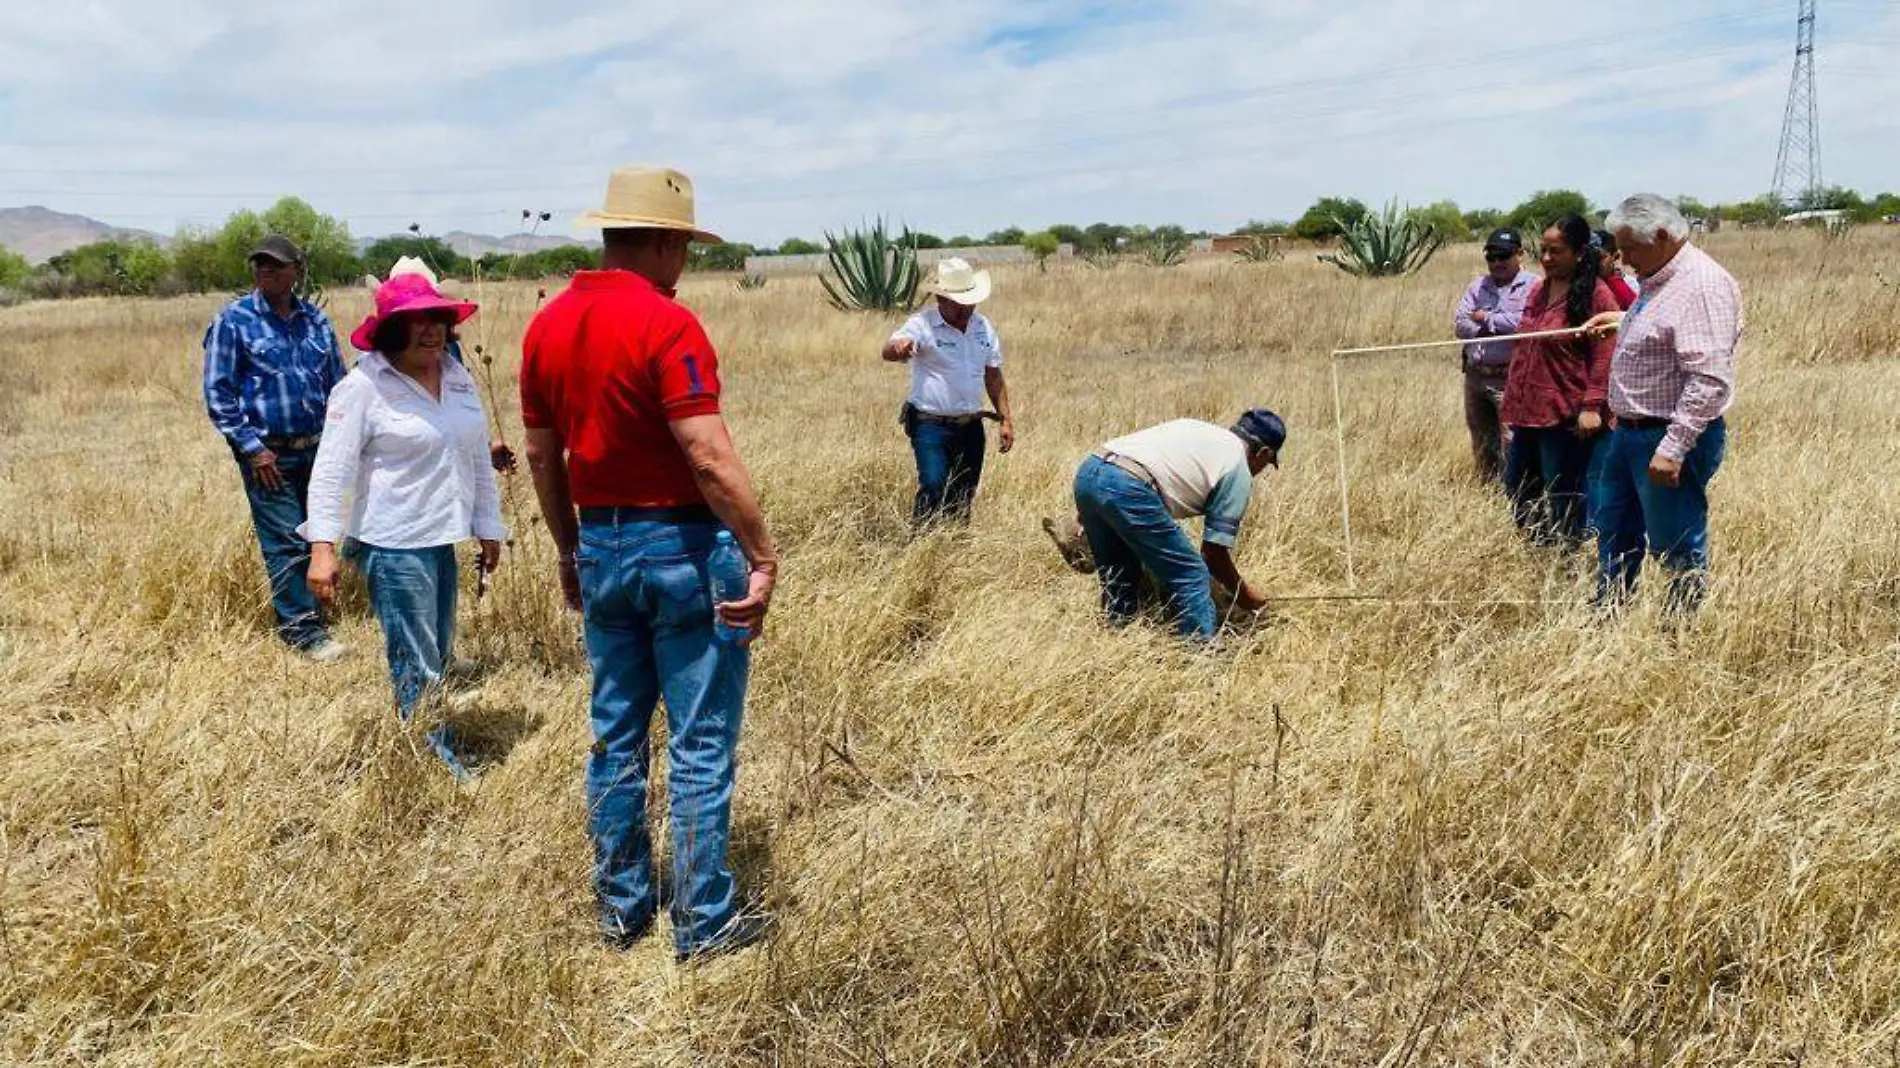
(1263, 430)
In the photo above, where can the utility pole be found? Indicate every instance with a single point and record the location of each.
(1798, 164)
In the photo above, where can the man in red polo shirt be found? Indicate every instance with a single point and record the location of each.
(620, 397)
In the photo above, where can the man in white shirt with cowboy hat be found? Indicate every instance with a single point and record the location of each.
(955, 360)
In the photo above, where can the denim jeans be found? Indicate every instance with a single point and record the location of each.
(275, 515)
(1129, 531)
(949, 465)
(413, 594)
(1635, 517)
(649, 623)
(1484, 394)
(1546, 473)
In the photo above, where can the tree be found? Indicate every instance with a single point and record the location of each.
(1693, 209)
(1068, 235)
(1268, 228)
(13, 268)
(1104, 237)
(434, 251)
(329, 254)
(797, 246)
(1042, 246)
(1011, 236)
(1483, 221)
(923, 240)
(107, 268)
(560, 261)
(960, 241)
(730, 256)
(1886, 205)
(1443, 219)
(1764, 210)
(1545, 206)
(1328, 218)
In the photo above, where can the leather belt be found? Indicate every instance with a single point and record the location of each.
(614, 515)
(281, 444)
(1489, 370)
(1641, 422)
(1133, 467)
(949, 420)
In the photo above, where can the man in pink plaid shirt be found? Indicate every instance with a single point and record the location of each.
(1671, 383)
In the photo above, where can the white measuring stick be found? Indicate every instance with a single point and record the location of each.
(1513, 338)
(1339, 415)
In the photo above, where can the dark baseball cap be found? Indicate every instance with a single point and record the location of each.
(1262, 429)
(1504, 239)
(280, 248)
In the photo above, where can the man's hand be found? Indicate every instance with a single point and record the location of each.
(501, 457)
(1480, 316)
(264, 467)
(749, 614)
(321, 577)
(491, 555)
(1248, 599)
(1006, 437)
(1589, 423)
(1665, 472)
(900, 349)
(1603, 324)
(570, 581)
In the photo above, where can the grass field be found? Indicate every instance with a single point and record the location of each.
(992, 831)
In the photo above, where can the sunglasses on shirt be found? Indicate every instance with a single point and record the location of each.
(1497, 257)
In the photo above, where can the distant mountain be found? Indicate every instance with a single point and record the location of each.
(39, 233)
(475, 246)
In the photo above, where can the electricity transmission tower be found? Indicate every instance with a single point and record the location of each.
(1798, 164)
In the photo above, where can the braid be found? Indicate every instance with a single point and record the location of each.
(1583, 283)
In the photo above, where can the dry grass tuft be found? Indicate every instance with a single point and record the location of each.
(992, 831)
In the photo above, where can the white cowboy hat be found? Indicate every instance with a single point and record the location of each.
(647, 198)
(404, 265)
(957, 281)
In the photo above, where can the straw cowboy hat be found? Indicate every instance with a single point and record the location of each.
(405, 293)
(647, 198)
(957, 281)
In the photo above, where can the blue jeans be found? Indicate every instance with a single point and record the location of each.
(949, 465)
(413, 594)
(648, 603)
(1129, 531)
(1635, 517)
(275, 515)
(1546, 473)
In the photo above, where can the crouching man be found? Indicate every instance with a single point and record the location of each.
(1129, 493)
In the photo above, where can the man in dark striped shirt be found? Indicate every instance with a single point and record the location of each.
(271, 360)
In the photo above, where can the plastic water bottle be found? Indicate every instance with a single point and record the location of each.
(731, 581)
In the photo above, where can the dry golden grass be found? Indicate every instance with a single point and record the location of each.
(992, 831)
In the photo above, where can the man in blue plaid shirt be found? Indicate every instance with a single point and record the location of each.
(271, 360)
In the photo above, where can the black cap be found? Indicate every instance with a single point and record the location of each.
(1505, 239)
(1262, 429)
(280, 248)
(1603, 239)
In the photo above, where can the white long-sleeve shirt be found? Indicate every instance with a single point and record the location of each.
(399, 469)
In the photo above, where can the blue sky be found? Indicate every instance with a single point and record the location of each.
(795, 118)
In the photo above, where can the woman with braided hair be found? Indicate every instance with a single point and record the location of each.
(1556, 393)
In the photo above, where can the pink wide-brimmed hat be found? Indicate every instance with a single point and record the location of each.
(406, 293)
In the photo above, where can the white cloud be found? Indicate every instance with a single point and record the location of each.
(798, 117)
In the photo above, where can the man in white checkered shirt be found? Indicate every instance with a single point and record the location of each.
(1671, 383)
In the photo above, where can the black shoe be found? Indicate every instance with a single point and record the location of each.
(740, 933)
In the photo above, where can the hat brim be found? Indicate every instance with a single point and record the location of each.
(266, 254)
(600, 220)
(978, 292)
(363, 337)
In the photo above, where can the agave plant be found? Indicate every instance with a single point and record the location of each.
(1385, 244)
(1263, 248)
(751, 280)
(1166, 248)
(871, 272)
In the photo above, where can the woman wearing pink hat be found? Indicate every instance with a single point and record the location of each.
(403, 472)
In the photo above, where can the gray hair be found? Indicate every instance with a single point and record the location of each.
(1645, 215)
